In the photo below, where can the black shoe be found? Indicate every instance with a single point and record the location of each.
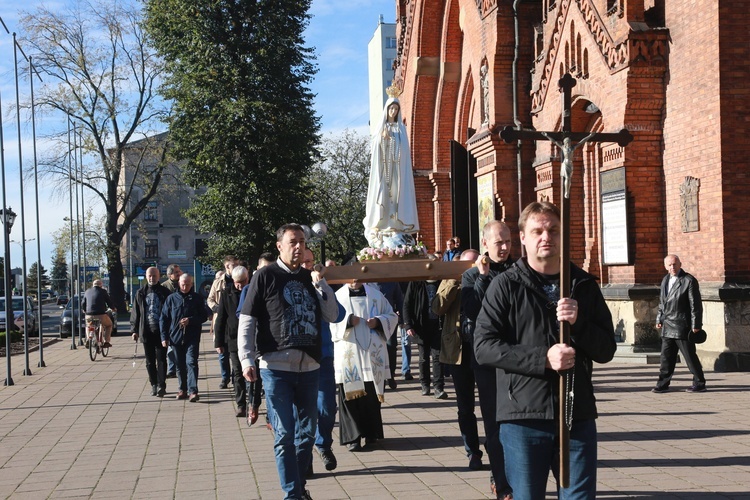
(355, 446)
(475, 462)
(154, 390)
(660, 390)
(224, 384)
(370, 442)
(425, 391)
(408, 376)
(392, 383)
(241, 412)
(306, 495)
(696, 388)
(440, 394)
(171, 375)
(309, 474)
(161, 392)
(329, 459)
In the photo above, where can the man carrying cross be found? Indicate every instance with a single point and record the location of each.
(517, 331)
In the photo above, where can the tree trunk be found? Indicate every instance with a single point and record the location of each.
(116, 275)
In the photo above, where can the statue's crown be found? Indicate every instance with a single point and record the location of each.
(393, 91)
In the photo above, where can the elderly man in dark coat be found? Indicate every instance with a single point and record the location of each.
(680, 312)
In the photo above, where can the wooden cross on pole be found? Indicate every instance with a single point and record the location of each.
(568, 141)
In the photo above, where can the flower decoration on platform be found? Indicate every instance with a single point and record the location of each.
(416, 250)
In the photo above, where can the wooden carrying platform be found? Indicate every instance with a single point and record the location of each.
(396, 270)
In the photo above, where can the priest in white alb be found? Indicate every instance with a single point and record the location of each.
(361, 362)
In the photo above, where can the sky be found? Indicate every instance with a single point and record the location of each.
(339, 31)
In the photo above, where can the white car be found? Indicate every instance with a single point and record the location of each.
(17, 301)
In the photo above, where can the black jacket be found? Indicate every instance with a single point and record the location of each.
(516, 327)
(680, 310)
(417, 307)
(473, 288)
(227, 323)
(138, 315)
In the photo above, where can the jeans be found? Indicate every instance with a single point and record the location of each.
(224, 364)
(156, 362)
(171, 360)
(405, 351)
(669, 348)
(430, 356)
(531, 450)
(187, 364)
(291, 399)
(326, 405)
(241, 386)
(463, 384)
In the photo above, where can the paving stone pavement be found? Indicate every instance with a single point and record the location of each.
(82, 429)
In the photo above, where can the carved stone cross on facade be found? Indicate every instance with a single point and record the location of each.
(568, 141)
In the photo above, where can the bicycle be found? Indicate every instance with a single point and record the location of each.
(95, 334)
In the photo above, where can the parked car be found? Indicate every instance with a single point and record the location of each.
(62, 300)
(18, 321)
(66, 322)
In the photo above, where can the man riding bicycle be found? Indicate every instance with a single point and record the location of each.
(95, 302)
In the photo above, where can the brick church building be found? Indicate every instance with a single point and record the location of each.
(675, 74)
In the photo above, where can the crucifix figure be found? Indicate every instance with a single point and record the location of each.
(568, 141)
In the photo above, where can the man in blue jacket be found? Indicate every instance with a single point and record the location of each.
(517, 331)
(181, 321)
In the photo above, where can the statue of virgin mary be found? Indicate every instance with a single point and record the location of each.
(391, 211)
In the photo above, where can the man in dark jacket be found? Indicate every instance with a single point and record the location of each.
(182, 318)
(517, 331)
(474, 284)
(423, 325)
(680, 311)
(144, 323)
(225, 333)
(95, 303)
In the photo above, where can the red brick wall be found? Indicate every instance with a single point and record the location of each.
(692, 134)
(735, 138)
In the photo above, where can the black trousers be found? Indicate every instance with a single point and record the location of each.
(392, 345)
(156, 362)
(238, 381)
(669, 348)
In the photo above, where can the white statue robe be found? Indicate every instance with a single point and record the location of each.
(359, 353)
(391, 197)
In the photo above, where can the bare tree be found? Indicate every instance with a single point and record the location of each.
(99, 70)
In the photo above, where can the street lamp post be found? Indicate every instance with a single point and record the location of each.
(70, 232)
(321, 230)
(8, 218)
(317, 234)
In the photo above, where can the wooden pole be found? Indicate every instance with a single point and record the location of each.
(566, 85)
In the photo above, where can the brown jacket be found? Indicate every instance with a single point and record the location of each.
(447, 303)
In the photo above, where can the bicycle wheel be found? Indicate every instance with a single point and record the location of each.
(93, 348)
(105, 350)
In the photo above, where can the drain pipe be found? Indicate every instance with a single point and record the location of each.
(516, 121)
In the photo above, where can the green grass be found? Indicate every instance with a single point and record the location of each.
(15, 336)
